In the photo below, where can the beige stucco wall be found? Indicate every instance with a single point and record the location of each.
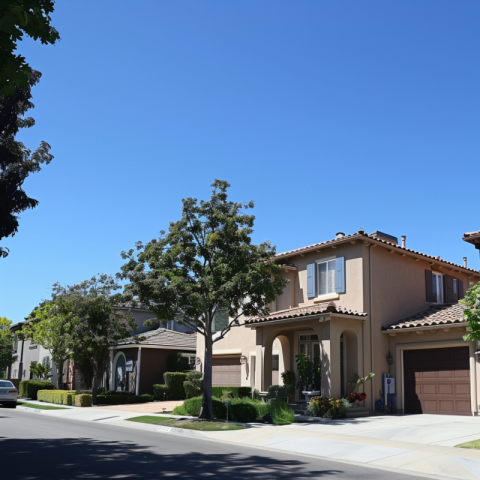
(398, 290)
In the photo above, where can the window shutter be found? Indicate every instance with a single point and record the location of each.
(220, 320)
(460, 289)
(311, 280)
(431, 296)
(449, 296)
(340, 275)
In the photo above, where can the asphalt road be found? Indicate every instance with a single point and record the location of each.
(35, 446)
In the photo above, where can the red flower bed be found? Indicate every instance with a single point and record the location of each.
(356, 397)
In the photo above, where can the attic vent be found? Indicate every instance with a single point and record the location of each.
(385, 236)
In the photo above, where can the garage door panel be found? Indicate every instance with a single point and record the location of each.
(437, 381)
(226, 372)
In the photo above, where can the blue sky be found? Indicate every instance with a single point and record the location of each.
(331, 115)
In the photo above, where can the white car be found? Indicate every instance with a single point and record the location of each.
(8, 394)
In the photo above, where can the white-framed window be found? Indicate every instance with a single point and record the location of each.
(326, 277)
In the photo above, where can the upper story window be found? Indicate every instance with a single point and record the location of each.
(326, 277)
(442, 288)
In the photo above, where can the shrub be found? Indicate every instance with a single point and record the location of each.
(281, 413)
(68, 398)
(277, 392)
(290, 380)
(53, 396)
(83, 400)
(243, 410)
(192, 407)
(238, 392)
(160, 392)
(256, 394)
(179, 410)
(174, 383)
(144, 398)
(194, 384)
(29, 388)
(328, 407)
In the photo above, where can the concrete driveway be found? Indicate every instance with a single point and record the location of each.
(418, 444)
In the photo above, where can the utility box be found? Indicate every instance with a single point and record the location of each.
(389, 385)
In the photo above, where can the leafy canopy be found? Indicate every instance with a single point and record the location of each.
(205, 264)
(16, 161)
(19, 17)
(94, 323)
(472, 313)
(6, 344)
(51, 330)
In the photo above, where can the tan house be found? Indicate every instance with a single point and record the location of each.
(361, 303)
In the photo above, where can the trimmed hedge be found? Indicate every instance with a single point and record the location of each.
(242, 410)
(60, 397)
(174, 383)
(192, 407)
(194, 384)
(160, 392)
(83, 400)
(237, 392)
(123, 399)
(30, 388)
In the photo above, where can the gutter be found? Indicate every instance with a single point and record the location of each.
(425, 328)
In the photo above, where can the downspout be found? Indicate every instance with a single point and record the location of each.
(371, 320)
(139, 360)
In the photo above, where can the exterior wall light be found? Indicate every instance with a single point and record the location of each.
(243, 360)
(198, 361)
(389, 358)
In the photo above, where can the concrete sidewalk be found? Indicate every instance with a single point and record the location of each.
(415, 444)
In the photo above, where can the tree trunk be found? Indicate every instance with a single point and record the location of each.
(206, 412)
(60, 373)
(95, 385)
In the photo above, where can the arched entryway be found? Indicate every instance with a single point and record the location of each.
(119, 371)
(348, 360)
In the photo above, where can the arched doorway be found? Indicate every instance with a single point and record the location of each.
(119, 371)
(348, 361)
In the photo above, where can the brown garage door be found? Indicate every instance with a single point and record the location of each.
(437, 381)
(226, 372)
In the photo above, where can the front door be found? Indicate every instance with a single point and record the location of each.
(309, 345)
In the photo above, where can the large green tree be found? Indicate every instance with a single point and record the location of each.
(94, 324)
(50, 329)
(18, 18)
(16, 161)
(6, 345)
(472, 313)
(204, 269)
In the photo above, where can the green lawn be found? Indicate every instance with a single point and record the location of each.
(40, 407)
(188, 424)
(474, 444)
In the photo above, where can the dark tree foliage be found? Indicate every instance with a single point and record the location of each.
(19, 17)
(206, 273)
(16, 161)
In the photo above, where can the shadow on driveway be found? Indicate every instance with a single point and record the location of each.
(86, 458)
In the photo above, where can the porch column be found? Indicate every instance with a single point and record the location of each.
(267, 362)
(259, 360)
(335, 361)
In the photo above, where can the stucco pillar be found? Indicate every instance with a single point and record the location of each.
(259, 359)
(335, 365)
(322, 329)
(473, 378)
(267, 362)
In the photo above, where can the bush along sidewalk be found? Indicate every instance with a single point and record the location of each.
(30, 388)
(81, 399)
(243, 410)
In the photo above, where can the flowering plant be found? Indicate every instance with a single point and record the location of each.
(356, 397)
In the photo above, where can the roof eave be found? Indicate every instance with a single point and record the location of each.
(426, 327)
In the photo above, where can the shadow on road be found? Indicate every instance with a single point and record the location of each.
(86, 458)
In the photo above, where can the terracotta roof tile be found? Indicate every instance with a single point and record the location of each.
(366, 237)
(435, 315)
(164, 337)
(311, 310)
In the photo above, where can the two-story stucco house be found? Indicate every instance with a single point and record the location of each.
(363, 303)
